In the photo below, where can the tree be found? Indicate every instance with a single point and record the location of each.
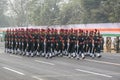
(20, 12)
(3, 17)
(71, 12)
(44, 12)
(111, 8)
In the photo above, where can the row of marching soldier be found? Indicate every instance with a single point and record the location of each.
(50, 43)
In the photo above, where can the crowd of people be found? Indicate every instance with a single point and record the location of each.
(50, 42)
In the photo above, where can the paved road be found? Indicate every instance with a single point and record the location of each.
(15, 67)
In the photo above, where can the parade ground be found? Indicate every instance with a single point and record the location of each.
(17, 67)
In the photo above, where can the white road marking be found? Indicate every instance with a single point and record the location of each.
(116, 64)
(35, 77)
(15, 56)
(13, 70)
(45, 62)
(94, 73)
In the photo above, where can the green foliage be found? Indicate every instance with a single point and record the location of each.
(3, 18)
(62, 12)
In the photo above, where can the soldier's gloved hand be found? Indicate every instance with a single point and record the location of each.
(87, 45)
(44, 43)
(77, 45)
(63, 44)
(93, 45)
(68, 44)
(83, 46)
(99, 46)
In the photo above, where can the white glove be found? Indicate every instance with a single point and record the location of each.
(93, 45)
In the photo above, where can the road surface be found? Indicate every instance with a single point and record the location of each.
(16, 67)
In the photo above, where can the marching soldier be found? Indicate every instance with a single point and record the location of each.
(6, 41)
(97, 42)
(86, 43)
(52, 43)
(72, 43)
(33, 42)
(60, 43)
(38, 49)
(48, 44)
(90, 44)
(65, 40)
(81, 44)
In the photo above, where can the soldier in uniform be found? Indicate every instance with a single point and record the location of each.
(86, 43)
(6, 41)
(60, 43)
(81, 44)
(48, 44)
(13, 42)
(38, 49)
(10, 43)
(97, 42)
(17, 43)
(90, 44)
(72, 43)
(99, 45)
(24, 44)
(43, 42)
(52, 43)
(65, 40)
(34, 43)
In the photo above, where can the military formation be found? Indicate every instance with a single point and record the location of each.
(52, 42)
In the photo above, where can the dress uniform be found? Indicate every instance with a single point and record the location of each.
(65, 46)
(81, 44)
(90, 44)
(52, 42)
(72, 43)
(48, 44)
(86, 43)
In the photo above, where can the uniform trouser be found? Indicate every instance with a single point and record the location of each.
(60, 47)
(7, 46)
(48, 47)
(57, 46)
(80, 49)
(42, 47)
(13, 48)
(52, 47)
(20, 47)
(86, 48)
(29, 48)
(71, 48)
(99, 49)
(24, 47)
(65, 46)
(90, 47)
(38, 47)
(10, 47)
(95, 49)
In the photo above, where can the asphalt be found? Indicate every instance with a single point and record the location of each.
(16, 67)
